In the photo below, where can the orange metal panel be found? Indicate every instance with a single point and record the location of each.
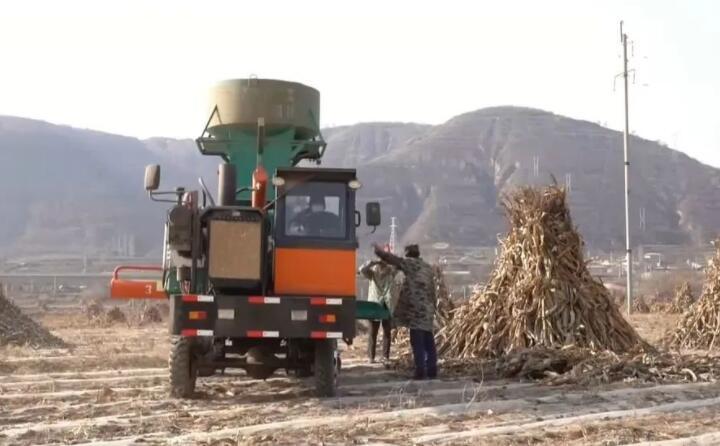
(136, 289)
(315, 272)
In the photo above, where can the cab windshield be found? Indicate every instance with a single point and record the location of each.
(316, 210)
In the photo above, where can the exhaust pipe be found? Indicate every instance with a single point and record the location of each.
(226, 184)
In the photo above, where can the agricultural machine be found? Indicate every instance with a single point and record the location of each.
(261, 276)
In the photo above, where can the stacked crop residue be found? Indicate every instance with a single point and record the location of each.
(17, 328)
(640, 305)
(444, 304)
(699, 326)
(683, 299)
(540, 292)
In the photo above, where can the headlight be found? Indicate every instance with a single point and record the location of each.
(278, 181)
(354, 184)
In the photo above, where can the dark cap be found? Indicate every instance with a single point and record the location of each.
(412, 251)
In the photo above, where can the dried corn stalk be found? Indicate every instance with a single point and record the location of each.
(699, 326)
(540, 292)
(683, 299)
(445, 306)
(640, 305)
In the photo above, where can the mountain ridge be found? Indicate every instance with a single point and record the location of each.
(75, 189)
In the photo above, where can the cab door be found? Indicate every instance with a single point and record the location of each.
(315, 243)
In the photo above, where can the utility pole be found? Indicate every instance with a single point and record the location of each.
(628, 246)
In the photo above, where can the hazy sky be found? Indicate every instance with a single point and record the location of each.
(143, 68)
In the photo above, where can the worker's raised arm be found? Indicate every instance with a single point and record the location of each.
(387, 257)
(366, 270)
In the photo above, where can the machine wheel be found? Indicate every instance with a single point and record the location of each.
(326, 372)
(183, 367)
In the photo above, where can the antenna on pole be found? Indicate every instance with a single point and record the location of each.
(568, 182)
(393, 234)
(626, 150)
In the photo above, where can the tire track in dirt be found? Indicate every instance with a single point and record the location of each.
(553, 405)
(18, 360)
(79, 374)
(93, 403)
(440, 389)
(578, 400)
(561, 419)
(82, 384)
(69, 395)
(710, 438)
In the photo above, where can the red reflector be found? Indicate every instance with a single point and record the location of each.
(197, 315)
(188, 332)
(256, 300)
(318, 334)
(190, 298)
(317, 301)
(254, 334)
(327, 318)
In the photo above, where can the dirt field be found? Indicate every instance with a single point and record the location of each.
(109, 390)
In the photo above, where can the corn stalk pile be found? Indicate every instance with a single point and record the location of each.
(17, 328)
(683, 299)
(540, 292)
(699, 326)
(445, 305)
(640, 305)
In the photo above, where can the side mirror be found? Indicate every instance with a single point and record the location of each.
(152, 177)
(372, 214)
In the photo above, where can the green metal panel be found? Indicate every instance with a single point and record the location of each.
(239, 147)
(370, 310)
(172, 286)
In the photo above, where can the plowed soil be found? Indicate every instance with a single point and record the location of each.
(110, 389)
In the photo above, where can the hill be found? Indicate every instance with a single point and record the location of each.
(443, 183)
(72, 190)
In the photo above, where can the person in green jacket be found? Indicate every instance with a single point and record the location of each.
(382, 289)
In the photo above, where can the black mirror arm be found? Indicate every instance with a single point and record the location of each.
(358, 219)
(177, 193)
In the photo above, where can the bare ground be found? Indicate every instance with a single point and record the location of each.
(109, 388)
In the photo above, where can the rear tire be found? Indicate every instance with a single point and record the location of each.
(183, 367)
(326, 371)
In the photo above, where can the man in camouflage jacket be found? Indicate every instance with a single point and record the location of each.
(416, 307)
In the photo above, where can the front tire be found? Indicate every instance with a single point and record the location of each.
(326, 371)
(183, 367)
